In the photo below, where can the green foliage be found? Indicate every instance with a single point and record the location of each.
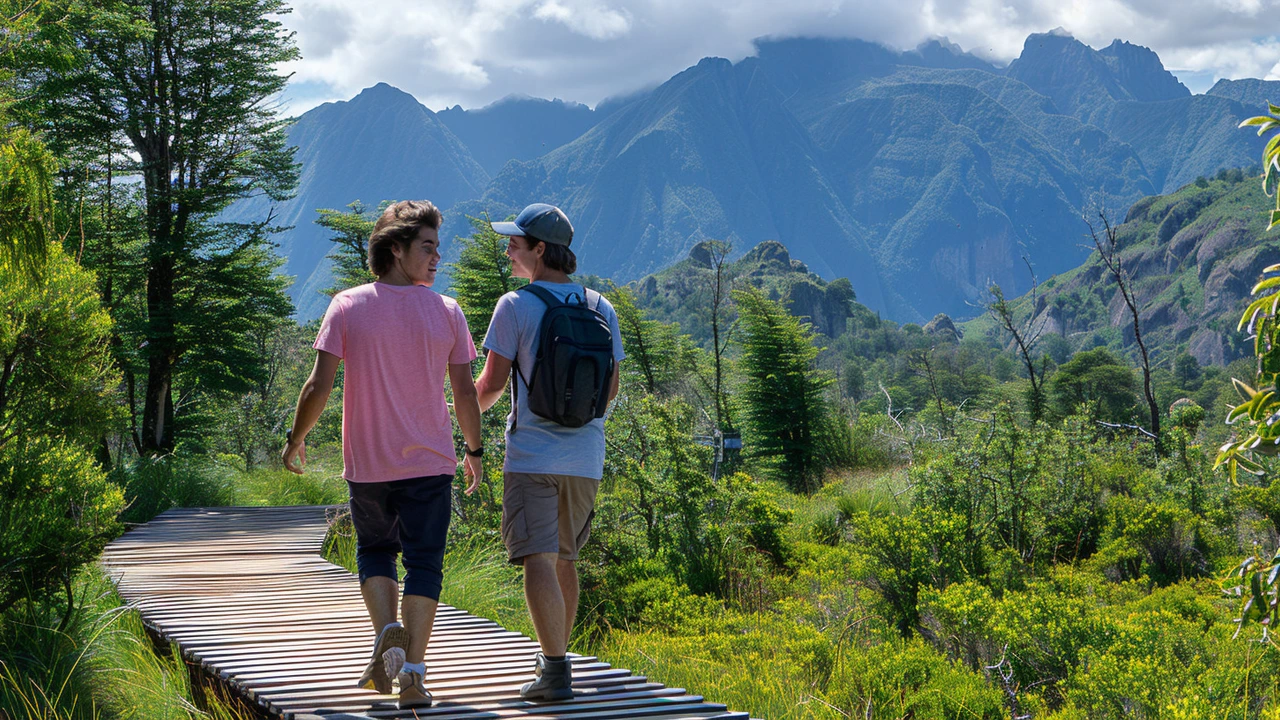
(26, 200)
(155, 484)
(783, 405)
(59, 512)
(1270, 155)
(100, 663)
(1097, 380)
(251, 423)
(481, 275)
(910, 679)
(351, 231)
(212, 137)
(661, 493)
(1033, 490)
(908, 554)
(1072, 647)
(657, 354)
(56, 371)
(1160, 541)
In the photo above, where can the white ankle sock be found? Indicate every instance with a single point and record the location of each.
(420, 668)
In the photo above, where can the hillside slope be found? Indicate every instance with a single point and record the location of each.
(1194, 256)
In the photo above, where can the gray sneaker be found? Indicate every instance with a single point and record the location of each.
(552, 680)
(375, 675)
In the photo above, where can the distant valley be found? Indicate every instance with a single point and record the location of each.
(920, 176)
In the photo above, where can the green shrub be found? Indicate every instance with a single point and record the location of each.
(59, 511)
(908, 553)
(758, 517)
(153, 485)
(1160, 540)
(58, 377)
(909, 679)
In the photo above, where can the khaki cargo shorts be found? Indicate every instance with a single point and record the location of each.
(546, 514)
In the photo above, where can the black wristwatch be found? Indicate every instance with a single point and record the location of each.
(478, 452)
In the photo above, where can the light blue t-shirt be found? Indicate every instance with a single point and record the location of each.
(539, 445)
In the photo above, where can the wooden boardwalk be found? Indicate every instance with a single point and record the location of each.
(245, 592)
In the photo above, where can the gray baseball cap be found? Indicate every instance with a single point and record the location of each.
(539, 221)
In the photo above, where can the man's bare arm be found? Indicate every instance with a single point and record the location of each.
(311, 402)
(493, 379)
(466, 407)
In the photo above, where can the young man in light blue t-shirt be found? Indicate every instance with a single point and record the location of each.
(551, 472)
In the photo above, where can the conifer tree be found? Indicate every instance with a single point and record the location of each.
(782, 392)
(481, 275)
(656, 351)
(351, 231)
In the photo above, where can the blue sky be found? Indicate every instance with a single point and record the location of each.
(473, 52)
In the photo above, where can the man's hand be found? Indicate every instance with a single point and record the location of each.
(294, 449)
(474, 469)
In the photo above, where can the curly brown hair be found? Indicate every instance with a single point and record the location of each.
(399, 224)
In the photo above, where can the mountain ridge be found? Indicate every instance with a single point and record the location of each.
(923, 175)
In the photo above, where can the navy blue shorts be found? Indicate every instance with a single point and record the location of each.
(408, 517)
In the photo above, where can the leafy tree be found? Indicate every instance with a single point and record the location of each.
(188, 86)
(782, 394)
(26, 165)
(351, 232)
(1097, 379)
(1187, 371)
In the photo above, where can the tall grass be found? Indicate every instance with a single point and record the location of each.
(153, 485)
(102, 664)
(275, 487)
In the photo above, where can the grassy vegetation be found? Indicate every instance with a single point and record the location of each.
(101, 664)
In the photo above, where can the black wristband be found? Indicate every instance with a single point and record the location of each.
(478, 452)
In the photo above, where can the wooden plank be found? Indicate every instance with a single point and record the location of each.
(245, 594)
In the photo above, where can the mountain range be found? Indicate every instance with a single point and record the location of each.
(922, 176)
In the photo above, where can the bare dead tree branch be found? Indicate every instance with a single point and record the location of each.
(1025, 336)
(1109, 251)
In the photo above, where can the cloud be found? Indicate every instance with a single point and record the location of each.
(589, 19)
(473, 52)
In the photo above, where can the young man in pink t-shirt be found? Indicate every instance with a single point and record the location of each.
(397, 339)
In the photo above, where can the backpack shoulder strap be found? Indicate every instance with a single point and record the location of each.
(593, 298)
(542, 294)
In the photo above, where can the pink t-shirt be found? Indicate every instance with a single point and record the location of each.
(396, 343)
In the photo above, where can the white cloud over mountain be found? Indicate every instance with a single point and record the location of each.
(472, 52)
